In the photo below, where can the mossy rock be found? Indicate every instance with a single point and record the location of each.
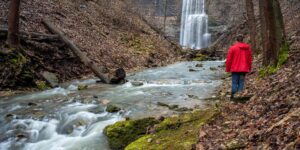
(82, 87)
(122, 133)
(178, 132)
(200, 57)
(112, 108)
(199, 65)
(41, 85)
(171, 107)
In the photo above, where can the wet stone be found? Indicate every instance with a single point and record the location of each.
(213, 69)
(105, 102)
(137, 83)
(112, 108)
(9, 117)
(183, 109)
(193, 70)
(51, 78)
(82, 87)
(193, 96)
(32, 104)
(199, 65)
(162, 104)
(172, 107)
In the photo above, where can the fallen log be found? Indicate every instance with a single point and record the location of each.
(84, 59)
(32, 36)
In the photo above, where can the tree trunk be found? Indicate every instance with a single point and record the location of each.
(165, 15)
(273, 33)
(13, 24)
(263, 31)
(251, 24)
(77, 51)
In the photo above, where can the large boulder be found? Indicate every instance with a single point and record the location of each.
(112, 108)
(51, 78)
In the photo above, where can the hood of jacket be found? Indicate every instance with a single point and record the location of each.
(242, 46)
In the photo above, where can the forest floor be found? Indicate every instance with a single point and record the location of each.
(108, 33)
(269, 120)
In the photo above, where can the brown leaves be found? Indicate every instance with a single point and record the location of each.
(269, 120)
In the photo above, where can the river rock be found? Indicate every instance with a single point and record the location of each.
(193, 96)
(162, 104)
(32, 104)
(172, 107)
(21, 136)
(9, 117)
(183, 109)
(51, 79)
(82, 87)
(112, 108)
(105, 102)
(199, 65)
(69, 128)
(137, 83)
(213, 68)
(193, 70)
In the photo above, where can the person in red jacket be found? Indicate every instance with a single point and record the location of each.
(238, 62)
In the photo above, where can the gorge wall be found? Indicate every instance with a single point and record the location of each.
(165, 15)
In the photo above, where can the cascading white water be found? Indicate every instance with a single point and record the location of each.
(194, 25)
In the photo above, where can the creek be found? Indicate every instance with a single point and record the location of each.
(67, 119)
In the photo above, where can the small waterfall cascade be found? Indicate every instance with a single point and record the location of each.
(194, 25)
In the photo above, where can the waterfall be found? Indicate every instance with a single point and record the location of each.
(194, 25)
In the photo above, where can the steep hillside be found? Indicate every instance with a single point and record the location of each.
(110, 35)
(269, 120)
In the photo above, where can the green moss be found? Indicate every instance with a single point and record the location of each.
(283, 54)
(138, 43)
(41, 85)
(178, 132)
(122, 133)
(82, 87)
(282, 59)
(17, 60)
(267, 71)
(200, 57)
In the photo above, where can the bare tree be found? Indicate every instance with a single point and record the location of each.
(13, 24)
(165, 15)
(251, 21)
(272, 31)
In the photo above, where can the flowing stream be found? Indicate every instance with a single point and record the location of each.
(67, 119)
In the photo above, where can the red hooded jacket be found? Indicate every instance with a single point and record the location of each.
(239, 58)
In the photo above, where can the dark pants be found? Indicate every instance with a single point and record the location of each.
(238, 80)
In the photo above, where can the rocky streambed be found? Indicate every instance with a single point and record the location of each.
(68, 118)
